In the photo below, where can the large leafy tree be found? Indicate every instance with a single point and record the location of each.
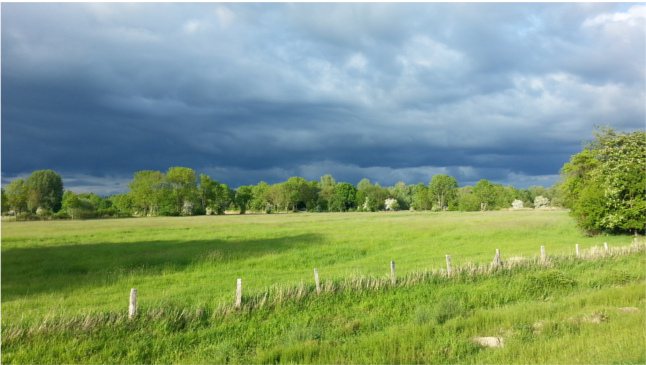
(605, 184)
(344, 197)
(149, 192)
(260, 197)
(300, 193)
(443, 191)
(214, 195)
(468, 201)
(326, 187)
(44, 190)
(485, 192)
(421, 199)
(17, 196)
(182, 181)
(243, 197)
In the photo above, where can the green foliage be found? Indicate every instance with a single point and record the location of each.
(344, 197)
(260, 201)
(182, 181)
(485, 191)
(148, 189)
(214, 196)
(300, 194)
(403, 193)
(122, 204)
(3, 201)
(420, 198)
(467, 200)
(442, 191)
(326, 186)
(17, 196)
(44, 190)
(243, 197)
(605, 184)
(369, 197)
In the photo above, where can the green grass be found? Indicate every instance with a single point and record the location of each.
(65, 289)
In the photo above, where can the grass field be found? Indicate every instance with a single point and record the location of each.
(65, 289)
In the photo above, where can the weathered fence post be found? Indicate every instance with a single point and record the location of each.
(393, 276)
(543, 254)
(449, 270)
(578, 253)
(497, 262)
(316, 280)
(132, 307)
(238, 293)
(605, 247)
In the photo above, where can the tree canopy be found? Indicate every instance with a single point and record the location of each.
(605, 184)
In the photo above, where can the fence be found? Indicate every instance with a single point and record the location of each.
(416, 277)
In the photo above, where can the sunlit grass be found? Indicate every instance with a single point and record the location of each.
(65, 272)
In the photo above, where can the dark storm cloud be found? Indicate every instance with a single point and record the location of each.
(247, 92)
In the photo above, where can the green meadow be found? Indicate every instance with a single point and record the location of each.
(65, 287)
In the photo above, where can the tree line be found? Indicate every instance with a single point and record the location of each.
(180, 192)
(604, 186)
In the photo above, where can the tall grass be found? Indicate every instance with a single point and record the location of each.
(65, 288)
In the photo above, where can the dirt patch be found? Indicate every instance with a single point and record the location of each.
(489, 341)
(628, 309)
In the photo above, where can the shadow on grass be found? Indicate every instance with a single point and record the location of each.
(35, 270)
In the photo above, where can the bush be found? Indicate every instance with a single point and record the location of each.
(605, 185)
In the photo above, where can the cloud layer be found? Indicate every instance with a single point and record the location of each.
(249, 92)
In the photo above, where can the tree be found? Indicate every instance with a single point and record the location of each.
(370, 197)
(326, 192)
(17, 196)
(123, 204)
(44, 190)
(485, 191)
(403, 193)
(223, 198)
(214, 196)
(605, 185)
(278, 197)
(300, 193)
(260, 197)
(3, 201)
(467, 200)
(443, 191)
(182, 181)
(149, 192)
(421, 199)
(80, 206)
(344, 197)
(243, 196)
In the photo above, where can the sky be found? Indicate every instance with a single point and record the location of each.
(248, 92)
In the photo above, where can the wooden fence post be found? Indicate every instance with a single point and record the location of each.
(132, 307)
(578, 253)
(316, 280)
(393, 277)
(449, 270)
(238, 293)
(543, 254)
(497, 262)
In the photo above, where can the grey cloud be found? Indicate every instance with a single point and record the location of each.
(265, 91)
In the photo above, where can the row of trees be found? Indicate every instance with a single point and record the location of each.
(179, 191)
(604, 186)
